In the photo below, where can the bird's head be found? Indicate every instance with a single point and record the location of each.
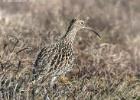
(81, 24)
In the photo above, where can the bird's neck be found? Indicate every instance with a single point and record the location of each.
(70, 35)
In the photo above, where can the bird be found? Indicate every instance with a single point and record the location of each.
(58, 58)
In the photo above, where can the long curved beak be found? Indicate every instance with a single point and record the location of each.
(90, 29)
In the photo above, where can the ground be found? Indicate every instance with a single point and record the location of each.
(105, 69)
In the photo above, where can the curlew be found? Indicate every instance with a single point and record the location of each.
(58, 58)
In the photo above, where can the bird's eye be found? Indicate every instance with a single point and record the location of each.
(81, 23)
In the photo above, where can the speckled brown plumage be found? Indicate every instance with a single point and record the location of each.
(58, 58)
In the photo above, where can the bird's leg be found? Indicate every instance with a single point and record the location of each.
(64, 80)
(61, 79)
(46, 97)
(53, 81)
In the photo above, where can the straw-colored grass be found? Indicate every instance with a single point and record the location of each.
(106, 69)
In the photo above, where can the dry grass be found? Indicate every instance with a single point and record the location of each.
(107, 69)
